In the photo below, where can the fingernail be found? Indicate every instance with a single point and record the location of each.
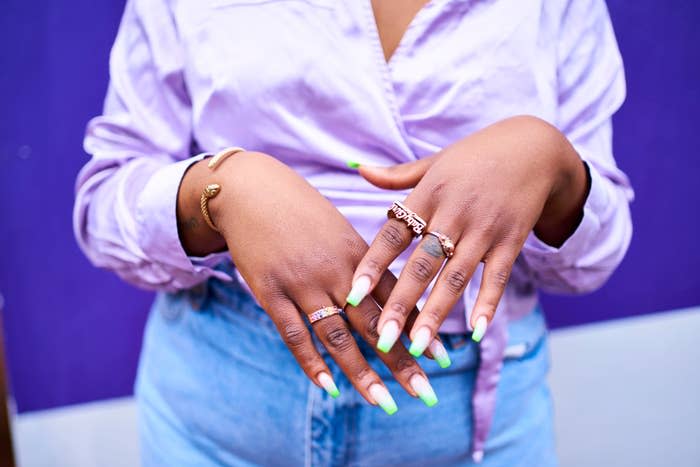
(359, 290)
(420, 384)
(381, 395)
(328, 384)
(353, 165)
(420, 342)
(387, 338)
(478, 456)
(479, 328)
(440, 353)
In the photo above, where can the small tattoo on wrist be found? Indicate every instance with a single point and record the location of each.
(189, 224)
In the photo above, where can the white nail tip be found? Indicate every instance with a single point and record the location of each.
(325, 380)
(382, 397)
(421, 385)
(389, 335)
(437, 349)
(379, 393)
(359, 291)
(422, 337)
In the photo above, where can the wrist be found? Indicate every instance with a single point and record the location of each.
(195, 235)
(563, 210)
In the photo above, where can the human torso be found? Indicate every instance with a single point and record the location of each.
(308, 82)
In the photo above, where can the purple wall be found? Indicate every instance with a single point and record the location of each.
(73, 332)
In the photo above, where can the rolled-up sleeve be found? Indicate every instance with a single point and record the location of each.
(126, 196)
(591, 87)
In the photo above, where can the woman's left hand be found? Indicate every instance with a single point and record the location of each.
(486, 193)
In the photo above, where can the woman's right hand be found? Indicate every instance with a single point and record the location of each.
(298, 253)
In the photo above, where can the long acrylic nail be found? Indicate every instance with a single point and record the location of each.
(328, 384)
(383, 398)
(353, 165)
(424, 390)
(440, 353)
(420, 342)
(359, 290)
(387, 338)
(479, 328)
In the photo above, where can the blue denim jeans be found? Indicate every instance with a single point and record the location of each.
(218, 387)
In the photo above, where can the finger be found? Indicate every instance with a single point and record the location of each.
(391, 240)
(336, 337)
(381, 294)
(420, 269)
(448, 288)
(493, 283)
(397, 177)
(401, 364)
(297, 337)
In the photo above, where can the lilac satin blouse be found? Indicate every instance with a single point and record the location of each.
(306, 81)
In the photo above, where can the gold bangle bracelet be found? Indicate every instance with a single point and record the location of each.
(210, 191)
(223, 155)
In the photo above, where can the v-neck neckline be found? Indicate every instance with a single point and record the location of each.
(384, 67)
(417, 18)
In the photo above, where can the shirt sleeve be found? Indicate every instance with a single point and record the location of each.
(591, 87)
(124, 216)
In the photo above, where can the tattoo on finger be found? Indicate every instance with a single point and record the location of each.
(431, 245)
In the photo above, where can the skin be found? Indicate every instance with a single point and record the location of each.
(486, 192)
(270, 219)
(392, 19)
(291, 269)
(297, 253)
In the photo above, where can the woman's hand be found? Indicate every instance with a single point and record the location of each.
(486, 193)
(297, 253)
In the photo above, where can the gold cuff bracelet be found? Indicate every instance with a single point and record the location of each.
(210, 191)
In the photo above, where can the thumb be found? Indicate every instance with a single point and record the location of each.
(395, 177)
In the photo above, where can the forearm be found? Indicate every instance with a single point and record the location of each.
(563, 210)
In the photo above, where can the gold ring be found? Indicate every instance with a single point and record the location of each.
(412, 220)
(446, 243)
(324, 313)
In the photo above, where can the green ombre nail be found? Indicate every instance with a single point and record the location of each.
(480, 329)
(353, 165)
(328, 384)
(420, 342)
(440, 353)
(383, 398)
(360, 289)
(424, 390)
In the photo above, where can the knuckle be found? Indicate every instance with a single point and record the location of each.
(355, 246)
(466, 204)
(339, 339)
(432, 316)
(270, 281)
(400, 309)
(455, 281)
(374, 266)
(437, 189)
(293, 335)
(499, 278)
(363, 373)
(392, 235)
(421, 269)
(371, 327)
(406, 362)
